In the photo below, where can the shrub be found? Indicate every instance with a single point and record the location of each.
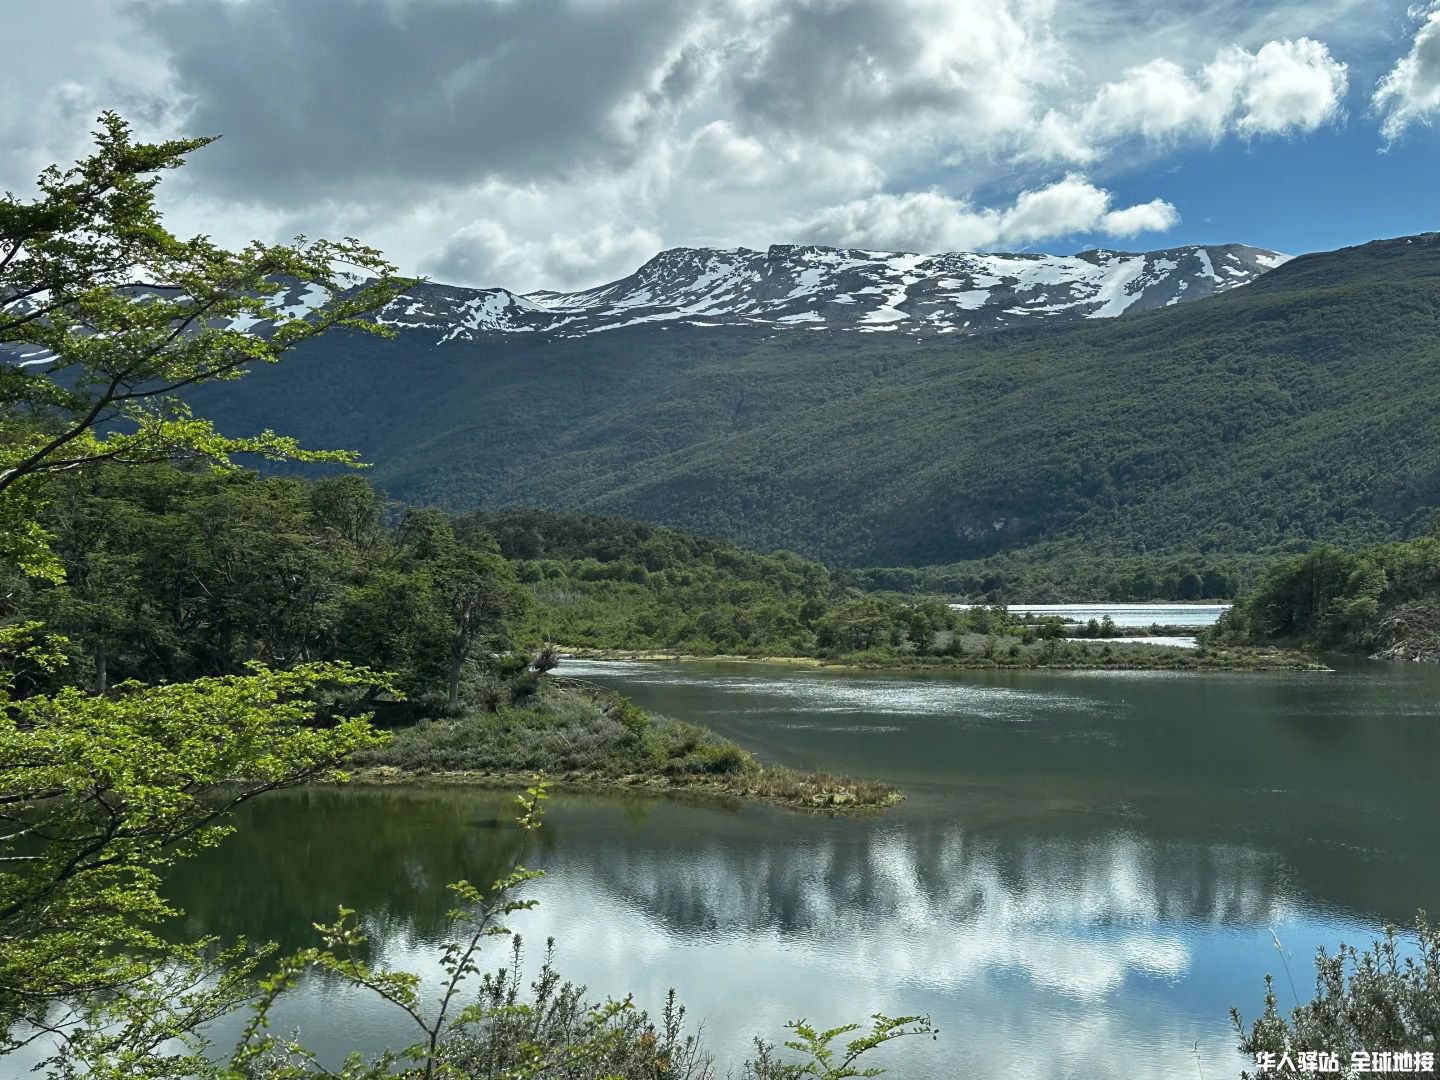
(1365, 1002)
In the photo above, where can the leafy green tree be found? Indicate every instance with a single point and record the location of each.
(100, 601)
(130, 315)
(347, 508)
(99, 793)
(472, 585)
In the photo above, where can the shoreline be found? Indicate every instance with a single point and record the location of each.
(834, 799)
(1187, 660)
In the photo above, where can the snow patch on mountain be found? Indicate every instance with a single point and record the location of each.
(794, 286)
(800, 287)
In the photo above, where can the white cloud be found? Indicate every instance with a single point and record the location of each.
(568, 259)
(1410, 92)
(1157, 215)
(77, 61)
(1284, 87)
(559, 142)
(930, 221)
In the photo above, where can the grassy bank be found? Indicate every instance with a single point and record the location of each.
(977, 653)
(585, 738)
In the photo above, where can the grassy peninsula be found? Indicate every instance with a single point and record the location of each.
(174, 574)
(583, 738)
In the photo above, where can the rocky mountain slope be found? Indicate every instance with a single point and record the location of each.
(812, 288)
(790, 286)
(1304, 407)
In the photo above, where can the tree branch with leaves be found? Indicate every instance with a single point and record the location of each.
(113, 316)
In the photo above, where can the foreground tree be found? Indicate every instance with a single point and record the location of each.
(104, 318)
(111, 316)
(470, 584)
(98, 794)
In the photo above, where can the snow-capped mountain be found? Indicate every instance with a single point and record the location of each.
(807, 288)
(795, 287)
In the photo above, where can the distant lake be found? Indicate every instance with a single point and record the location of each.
(1145, 639)
(1127, 615)
(1085, 877)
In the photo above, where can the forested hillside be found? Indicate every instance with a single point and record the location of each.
(1301, 408)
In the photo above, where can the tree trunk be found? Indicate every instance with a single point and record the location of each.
(101, 684)
(457, 661)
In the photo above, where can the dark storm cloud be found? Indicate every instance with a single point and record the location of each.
(337, 91)
(838, 61)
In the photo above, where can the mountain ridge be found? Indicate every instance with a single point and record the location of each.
(1302, 409)
(816, 287)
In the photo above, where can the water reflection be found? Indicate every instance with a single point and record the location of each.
(757, 916)
(1084, 879)
(828, 692)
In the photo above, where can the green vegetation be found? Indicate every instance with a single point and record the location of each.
(584, 737)
(98, 794)
(1297, 410)
(1051, 573)
(1384, 999)
(178, 637)
(1011, 652)
(610, 587)
(175, 573)
(614, 584)
(1384, 600)
(69, 263)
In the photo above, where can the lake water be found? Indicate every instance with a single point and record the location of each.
(1128, 615)
(1085, 877)
(1146, 639)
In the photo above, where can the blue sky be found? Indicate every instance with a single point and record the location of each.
(1329, 189)
(1338, 185)
(561, 143)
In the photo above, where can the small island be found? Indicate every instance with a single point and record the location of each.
(582, 737)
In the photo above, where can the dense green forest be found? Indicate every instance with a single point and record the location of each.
(1056, 574)
(1384, 600)
(173, 574)
(1300, 409)
(617, 584)
(608, 585)
(176, 573)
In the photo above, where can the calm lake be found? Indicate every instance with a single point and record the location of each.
(1086, 876)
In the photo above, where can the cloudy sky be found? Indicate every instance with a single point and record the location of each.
(560, 143)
